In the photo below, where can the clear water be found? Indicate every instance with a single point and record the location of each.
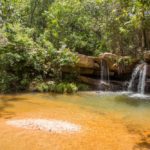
(102, 115)
(132, 108)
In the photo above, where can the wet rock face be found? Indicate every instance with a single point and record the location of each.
(147, 56)
(85, 66)
(120, 69)
(118, 64)
(97, 84)
(109, 58)
(148, 71)
(104, 86)
(147, 86)
(90, 81)
(89, 65)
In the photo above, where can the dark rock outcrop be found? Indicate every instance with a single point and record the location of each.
(118, 65)
(87, 62)
(120, 70)
(102, 85)
(147, 56)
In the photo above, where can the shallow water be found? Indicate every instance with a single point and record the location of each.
(109, 121)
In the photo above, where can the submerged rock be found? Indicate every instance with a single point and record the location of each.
(56, 126)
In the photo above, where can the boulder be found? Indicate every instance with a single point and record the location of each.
(86, 71)
(87, 62)
(109, 58)
(102, 85)
(89, 81)
(98, 84)
(125, 65)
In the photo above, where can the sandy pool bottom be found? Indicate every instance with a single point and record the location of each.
(99, 131)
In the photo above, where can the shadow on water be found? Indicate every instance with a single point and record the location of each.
(6, 103)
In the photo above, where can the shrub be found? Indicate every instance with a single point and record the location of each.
(71, 88)
(21, 59)
(66, 88)
(39, 85)
(83, 87)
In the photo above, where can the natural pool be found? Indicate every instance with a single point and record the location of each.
(109, 121)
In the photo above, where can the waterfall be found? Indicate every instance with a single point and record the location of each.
(104, 72)
(142, 78)
(134, 75)
(139, 74)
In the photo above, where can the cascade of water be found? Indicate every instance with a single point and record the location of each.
(142, 77)
(140, 73)
(104, 71)
(134, 75)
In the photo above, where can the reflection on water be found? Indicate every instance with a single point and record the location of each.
(103, 115)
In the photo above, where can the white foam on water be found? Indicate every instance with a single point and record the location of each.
(127, 93)
(119, 93)
(140, 96)
(107, 93)
(113, 93)
(56, 126)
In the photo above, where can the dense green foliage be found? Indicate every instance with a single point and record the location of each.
(23, 60)
(37, 37)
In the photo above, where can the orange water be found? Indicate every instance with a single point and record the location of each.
(108, 122)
